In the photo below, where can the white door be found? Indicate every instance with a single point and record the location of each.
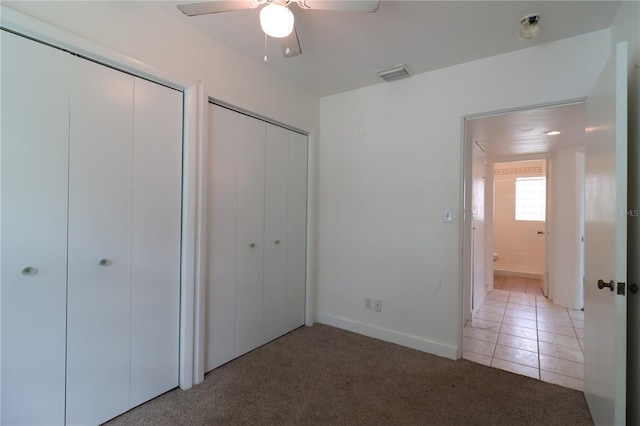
(34, 170)
(296, 239)
(250, 247)
(155, 275)
(478, 255)
(605, 243)
(275, 233)
(221, 236)
(100, 232)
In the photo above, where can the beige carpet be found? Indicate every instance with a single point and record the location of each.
(322, 375)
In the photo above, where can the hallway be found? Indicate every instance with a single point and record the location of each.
(523, 332)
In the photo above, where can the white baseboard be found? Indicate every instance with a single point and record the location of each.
(532, 275)
(402, 339)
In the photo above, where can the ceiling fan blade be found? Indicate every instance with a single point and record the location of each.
(291, 45)
(341, 5)
(215, 6)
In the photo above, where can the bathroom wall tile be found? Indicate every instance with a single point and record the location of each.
(562, 366)
(558, 379)
(519, 356)
(579, 332)
(523, 370)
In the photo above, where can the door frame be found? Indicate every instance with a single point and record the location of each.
(192, 278)
(466, 201)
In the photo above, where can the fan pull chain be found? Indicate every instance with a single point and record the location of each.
(265, 47)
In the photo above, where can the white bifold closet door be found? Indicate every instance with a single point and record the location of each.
(250, 225)
(34, 178)
(124, 233)
(90, 184)
(100, 228)
(285, 231)
(256, 233)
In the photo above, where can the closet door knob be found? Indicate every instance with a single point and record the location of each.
(277, 241)
(104, 262)
(28, 270)
(252, 245)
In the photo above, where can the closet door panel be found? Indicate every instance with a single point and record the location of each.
(296, 230)
(250, 249)
(34, 167)
(99, 300)
(275, 211)
(155, 278)
(221, 235)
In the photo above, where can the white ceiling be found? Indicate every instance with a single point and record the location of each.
(342, 50)
(522, 133)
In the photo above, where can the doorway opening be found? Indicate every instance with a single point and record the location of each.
(522, 246)
(520, 226)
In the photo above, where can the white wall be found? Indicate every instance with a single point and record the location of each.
(149, 34)
(566, 230)
(390, 161)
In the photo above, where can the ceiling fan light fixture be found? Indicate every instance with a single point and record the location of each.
(276, 20)
(529, 26)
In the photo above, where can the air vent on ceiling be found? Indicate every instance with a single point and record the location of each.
(395, 73)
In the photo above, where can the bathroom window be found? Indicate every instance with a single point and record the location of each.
(531, 198)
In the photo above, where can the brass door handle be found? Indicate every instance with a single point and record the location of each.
(602, 284)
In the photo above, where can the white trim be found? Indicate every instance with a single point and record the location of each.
(191, 269)
(201, 239)
(310, 309)
(392, 336)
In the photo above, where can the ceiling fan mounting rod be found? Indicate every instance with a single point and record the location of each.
(301, 3)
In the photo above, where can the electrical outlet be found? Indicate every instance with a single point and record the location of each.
(377, 305)
(367, 303)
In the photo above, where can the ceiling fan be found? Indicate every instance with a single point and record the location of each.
(276, 19)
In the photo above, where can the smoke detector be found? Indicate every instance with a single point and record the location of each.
(529, 26)
(395, 73)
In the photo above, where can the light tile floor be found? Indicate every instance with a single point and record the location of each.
(528, 335)
(518, 284)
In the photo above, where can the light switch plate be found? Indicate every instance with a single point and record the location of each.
(447, 216)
